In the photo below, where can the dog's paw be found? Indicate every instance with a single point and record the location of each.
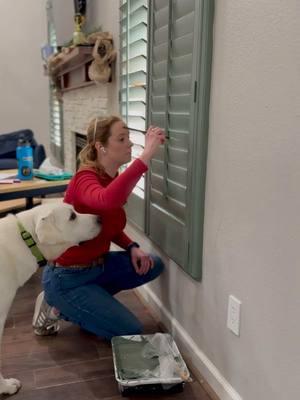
(9, 386)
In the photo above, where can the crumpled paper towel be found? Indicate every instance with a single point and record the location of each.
(48, 168)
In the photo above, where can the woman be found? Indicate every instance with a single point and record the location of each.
(81, 283)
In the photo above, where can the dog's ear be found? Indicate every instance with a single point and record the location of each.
(46, 230)
(112, 55)
(95, 48)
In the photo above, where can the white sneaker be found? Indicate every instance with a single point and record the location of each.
(45, 318)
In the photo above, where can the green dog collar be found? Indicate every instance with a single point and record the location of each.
(31, 244)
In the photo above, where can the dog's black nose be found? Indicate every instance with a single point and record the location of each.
(99, 220)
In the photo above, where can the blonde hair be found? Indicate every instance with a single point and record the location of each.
(99, 130)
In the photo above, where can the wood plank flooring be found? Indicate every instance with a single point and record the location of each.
(72, 365)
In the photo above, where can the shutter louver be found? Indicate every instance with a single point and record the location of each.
(172, 74)
(133, 41)
(55, 120)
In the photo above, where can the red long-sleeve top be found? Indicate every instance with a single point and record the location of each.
(105, 196)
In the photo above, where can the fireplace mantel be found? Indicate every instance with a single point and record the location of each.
(72, 72)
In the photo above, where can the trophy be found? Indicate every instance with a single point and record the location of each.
(79, 18)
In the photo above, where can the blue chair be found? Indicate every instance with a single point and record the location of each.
(8, 145)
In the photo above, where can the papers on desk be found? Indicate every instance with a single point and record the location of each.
(6, 175)
(8, 178)
(5, 181)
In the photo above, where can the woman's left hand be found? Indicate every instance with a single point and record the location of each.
(141, 261)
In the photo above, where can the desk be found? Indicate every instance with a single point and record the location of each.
(30, 189)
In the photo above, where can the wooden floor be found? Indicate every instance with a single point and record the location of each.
(72, 365)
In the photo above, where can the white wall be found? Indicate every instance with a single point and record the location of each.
(252, 223)
(24, 89)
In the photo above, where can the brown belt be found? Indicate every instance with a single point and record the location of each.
(94, 263)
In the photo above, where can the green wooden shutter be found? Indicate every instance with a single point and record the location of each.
(55, 106)
(173, 73)
(133, 43)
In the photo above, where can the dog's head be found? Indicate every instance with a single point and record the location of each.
(61, 226)
(103, 51)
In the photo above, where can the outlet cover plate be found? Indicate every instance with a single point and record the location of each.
(234, 315)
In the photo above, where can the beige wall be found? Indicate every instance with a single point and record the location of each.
(24, 89)
(63, 14)
(252, 223)
(63, 17)
(107, 15)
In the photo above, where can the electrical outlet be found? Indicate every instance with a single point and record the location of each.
(234, 315)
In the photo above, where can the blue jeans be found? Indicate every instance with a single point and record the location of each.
(84, 295)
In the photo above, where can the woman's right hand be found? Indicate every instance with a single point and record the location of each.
(155, 136)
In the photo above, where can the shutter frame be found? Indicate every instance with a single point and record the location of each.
(199, 153)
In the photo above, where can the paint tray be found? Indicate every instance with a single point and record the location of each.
(148, 364)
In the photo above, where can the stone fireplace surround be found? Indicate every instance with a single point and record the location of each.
(79, 107)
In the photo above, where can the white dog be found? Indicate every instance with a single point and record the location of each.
(54, 228)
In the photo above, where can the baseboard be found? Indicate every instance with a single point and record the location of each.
(194, 356)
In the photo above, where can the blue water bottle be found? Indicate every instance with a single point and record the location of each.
(25, 159)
